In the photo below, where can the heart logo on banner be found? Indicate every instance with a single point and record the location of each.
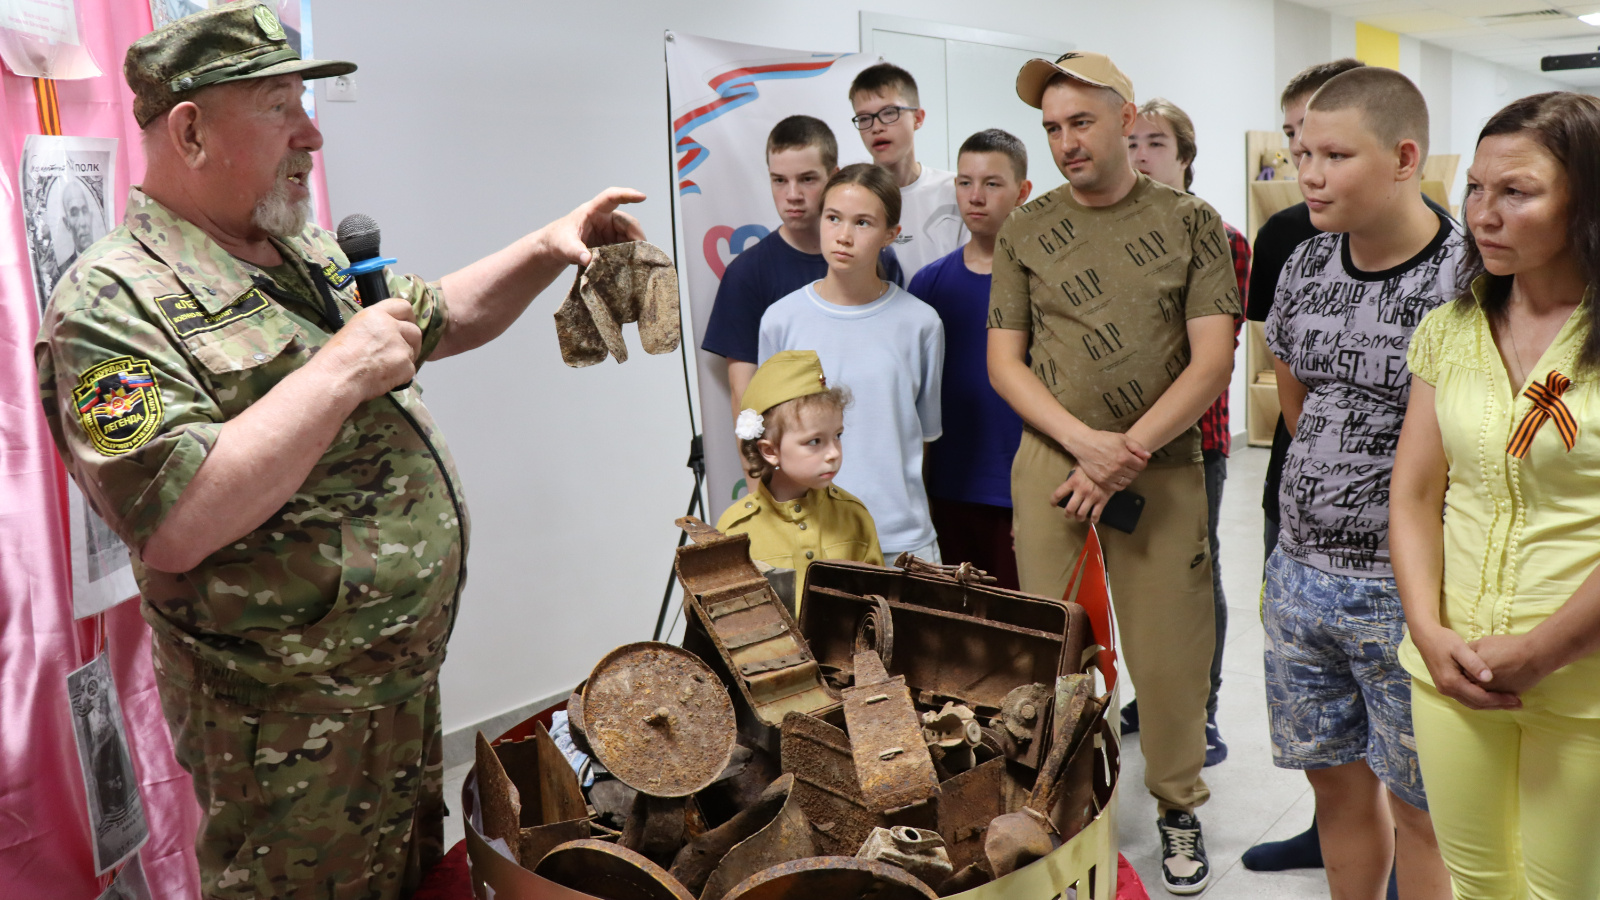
(737, 240)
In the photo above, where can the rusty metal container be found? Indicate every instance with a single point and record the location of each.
(1093, 849)
(740, 627)
(951, 639)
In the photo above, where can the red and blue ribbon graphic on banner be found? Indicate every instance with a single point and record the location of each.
(734, 87)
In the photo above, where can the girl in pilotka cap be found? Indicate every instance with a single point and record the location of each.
(789, 437)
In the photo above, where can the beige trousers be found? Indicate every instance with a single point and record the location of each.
(1161, 588)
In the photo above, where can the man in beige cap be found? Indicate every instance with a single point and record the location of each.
(1120, 292)
(297, 529)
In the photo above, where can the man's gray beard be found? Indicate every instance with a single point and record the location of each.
(279, 216)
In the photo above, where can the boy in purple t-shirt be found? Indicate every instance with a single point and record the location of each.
(969, 468)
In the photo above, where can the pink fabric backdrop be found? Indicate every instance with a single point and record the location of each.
(44, 829)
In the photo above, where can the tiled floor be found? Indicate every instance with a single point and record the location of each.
(1250, 799)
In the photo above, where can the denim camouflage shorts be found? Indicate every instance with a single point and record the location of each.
(1336, 691)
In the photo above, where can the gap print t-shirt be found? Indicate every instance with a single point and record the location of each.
(1106, 294)
(1344, 333)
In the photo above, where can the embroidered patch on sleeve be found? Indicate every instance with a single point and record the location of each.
(119, 405)
(188, 318)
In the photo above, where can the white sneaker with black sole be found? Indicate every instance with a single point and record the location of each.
(1184, 867)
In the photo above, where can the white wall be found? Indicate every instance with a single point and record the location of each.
(1481, 88)
(479, 122)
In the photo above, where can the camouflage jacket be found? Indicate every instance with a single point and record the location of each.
(344, 597)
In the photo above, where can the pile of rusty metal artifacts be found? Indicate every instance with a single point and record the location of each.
(916, 734)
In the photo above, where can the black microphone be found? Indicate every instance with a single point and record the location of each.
(358, 238)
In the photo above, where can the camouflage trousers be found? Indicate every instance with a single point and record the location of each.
(312, 806)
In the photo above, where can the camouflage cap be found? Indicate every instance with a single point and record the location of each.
(228, 42)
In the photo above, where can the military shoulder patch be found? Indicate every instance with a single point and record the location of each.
(119, 405)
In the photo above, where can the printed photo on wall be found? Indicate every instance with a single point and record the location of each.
(44, 39)
(130, 883)
(102, 574)
(66, 185)
(116, 813)
(165, 12)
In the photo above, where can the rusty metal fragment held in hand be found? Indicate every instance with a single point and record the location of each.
(628, 282)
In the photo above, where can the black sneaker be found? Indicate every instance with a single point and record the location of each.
(1216, 750)
(1184, 867)
(1130, 717)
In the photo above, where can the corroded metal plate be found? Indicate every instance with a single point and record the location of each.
(834, 878)
(659, 719)
(610, 872)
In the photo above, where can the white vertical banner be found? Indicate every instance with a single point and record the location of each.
(725, 98)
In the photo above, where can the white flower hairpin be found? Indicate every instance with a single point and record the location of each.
(750, 425)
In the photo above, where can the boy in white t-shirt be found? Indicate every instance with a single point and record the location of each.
(887, 115)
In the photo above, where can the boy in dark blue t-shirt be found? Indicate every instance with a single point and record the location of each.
(801, 156)
(969, 468)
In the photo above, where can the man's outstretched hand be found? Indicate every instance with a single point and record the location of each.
(595, 224)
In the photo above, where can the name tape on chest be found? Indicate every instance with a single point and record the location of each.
(188, 317)
(336, 277)
(119, 404)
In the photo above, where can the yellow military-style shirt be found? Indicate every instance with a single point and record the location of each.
(827, 523)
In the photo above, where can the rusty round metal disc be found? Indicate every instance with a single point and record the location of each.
(659, 719)
(604, 870)
(833, 877)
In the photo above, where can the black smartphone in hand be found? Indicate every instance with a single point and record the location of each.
(1121, 512)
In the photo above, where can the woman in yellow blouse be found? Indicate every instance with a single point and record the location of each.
(1502, 597)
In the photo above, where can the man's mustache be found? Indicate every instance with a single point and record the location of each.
(298, 162)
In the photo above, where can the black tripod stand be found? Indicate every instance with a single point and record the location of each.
(697, 462)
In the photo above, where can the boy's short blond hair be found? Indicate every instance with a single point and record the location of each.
(1390, 104)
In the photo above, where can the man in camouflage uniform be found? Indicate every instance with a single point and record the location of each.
(298, 531)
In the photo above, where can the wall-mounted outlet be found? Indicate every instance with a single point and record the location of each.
(341, 89)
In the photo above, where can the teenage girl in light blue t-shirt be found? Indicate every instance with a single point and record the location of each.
(883, 342)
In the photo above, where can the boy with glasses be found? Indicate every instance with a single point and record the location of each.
(887, 115)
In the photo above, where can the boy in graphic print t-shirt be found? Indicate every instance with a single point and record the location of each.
(1347, 302)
